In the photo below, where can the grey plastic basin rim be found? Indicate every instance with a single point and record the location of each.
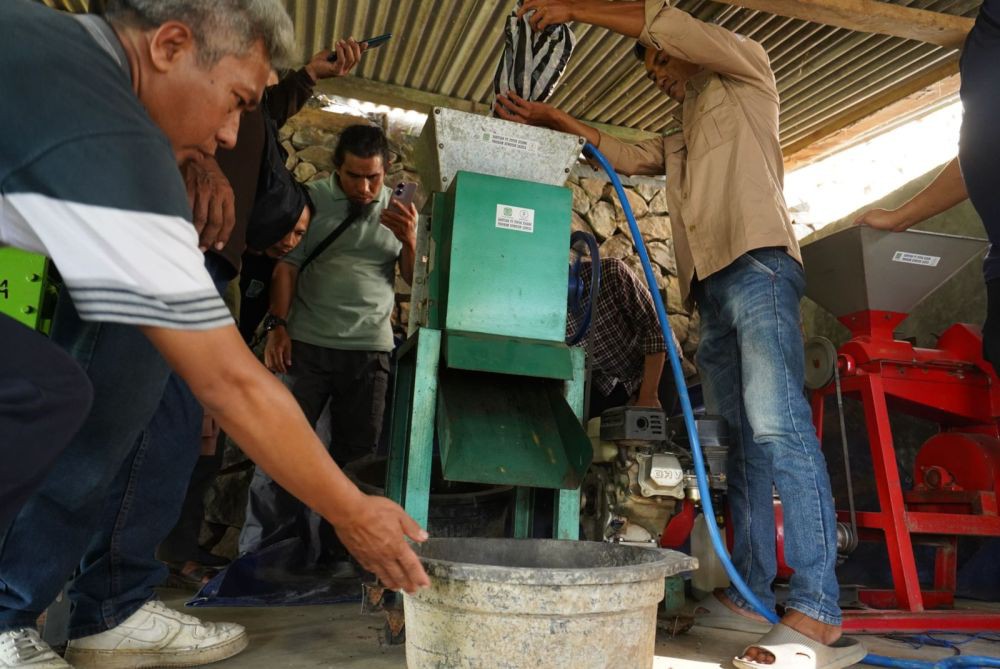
(666, 563)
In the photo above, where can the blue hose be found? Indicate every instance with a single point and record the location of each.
(948, 663)
(699, 462)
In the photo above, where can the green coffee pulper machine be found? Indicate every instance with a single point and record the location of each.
(485, 371)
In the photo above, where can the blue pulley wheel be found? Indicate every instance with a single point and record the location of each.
(577, 304)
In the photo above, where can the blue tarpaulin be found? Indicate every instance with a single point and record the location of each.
(277, 576)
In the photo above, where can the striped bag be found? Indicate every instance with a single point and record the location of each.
(532, 62)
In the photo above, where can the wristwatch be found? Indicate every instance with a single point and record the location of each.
(271, 321)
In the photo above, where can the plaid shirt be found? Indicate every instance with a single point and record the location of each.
(624, 328)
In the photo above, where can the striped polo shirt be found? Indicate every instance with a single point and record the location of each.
(88, 179)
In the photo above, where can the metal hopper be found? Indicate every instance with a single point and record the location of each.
(861, 269)
(454, 141)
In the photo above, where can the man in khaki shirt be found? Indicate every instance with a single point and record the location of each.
(738, 260)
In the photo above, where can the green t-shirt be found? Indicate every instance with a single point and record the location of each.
(344, 297)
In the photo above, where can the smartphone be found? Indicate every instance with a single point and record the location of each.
(404, 192)
(372, 42)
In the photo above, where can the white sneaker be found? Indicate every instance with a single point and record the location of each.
(24, 648)
(157, 636)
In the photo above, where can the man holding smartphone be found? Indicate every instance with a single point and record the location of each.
(329, 324)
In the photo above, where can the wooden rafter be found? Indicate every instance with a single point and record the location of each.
(864, 110)
(915, 104)
(871, 16)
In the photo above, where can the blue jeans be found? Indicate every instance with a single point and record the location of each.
(119, 570)
(350, 388)
(752, 365)
(44, 399)
(113, 494)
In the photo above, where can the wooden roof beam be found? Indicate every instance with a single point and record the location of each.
(797, 153)
(871, 16)
(897, 113)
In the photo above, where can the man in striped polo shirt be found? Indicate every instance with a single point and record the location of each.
(97, 117)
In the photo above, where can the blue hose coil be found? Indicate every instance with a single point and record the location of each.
(593, 153)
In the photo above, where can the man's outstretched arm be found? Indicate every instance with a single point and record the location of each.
(262, 417)
(645, 157)
(625, 18)
(947, 190)
(278, 352)
(512, 107)
(648, 394)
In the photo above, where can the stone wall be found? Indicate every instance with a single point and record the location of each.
(310, 137)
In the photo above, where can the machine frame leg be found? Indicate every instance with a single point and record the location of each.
(566, 503)
(566, 520)
(524, 511)
(411, 449)
(567, 515)
(411, 453)
(905, 579)
(903, 609)
(399, 424)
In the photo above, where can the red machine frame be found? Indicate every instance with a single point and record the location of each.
(953, 386)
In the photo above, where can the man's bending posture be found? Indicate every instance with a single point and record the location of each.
(161, 82)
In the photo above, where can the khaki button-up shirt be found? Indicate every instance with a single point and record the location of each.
(725, 172)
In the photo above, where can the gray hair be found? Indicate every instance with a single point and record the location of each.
(220, 27)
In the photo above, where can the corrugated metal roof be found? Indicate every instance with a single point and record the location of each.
(451, 48)
(827, 76)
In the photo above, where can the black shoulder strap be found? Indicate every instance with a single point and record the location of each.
(355, 214)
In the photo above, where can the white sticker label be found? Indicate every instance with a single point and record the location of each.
(515, 218)
(506, 142)
(916, 259)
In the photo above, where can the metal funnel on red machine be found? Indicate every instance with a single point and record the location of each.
(872, 279)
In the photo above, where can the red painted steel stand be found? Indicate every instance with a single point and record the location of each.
(958, 470)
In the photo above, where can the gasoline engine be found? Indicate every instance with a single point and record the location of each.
(642, 474)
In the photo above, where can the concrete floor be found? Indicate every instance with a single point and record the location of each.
(339, 636)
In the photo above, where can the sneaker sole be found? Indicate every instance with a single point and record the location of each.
(86, 658)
